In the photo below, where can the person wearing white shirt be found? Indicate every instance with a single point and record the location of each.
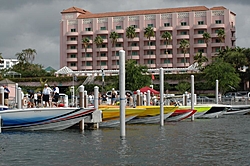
(55, 95)
(46, 94)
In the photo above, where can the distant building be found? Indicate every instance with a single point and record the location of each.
(49, 69)
(8, 63)
(183, 23)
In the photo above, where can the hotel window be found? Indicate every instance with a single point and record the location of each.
(201, 50)
(200, 22)
(72, 47)
(73, 30)
(167, 24)
(200, 32)
(88, 63)
(217, 49)
(103, 28)
(183, 23)
(150, 61)
(118, 45)
(72, 64)
(73, 56)
(88, 55)
(200, 41)
(118, 27)
(151, 25)
(217, 21)
(117, 53)
(166, 61)
(217, 41)
(103, 54)
(134, 44)
(120, 35)
(151, 43)
(135, 26)
(134, 52)
(72, 38)
(150, 52)
(103, 36)
(103, 46)
(87, 29)
(103, 63)
(183, 33)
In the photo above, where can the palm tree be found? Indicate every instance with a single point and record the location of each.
(206, 37)
(98, 41)
(85, 43)
(184, 45)
(21, 57)
(221, 35)
(130, 34)
(168, 37)
(200, 59)
(148, 33)
(114, 36)
(29, 54)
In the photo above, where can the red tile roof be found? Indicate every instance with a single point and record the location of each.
(75, 10)
(142, 12)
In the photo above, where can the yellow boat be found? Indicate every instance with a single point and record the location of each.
(155, 110)
(114, 112)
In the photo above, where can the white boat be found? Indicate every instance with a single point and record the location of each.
(238, 109)
(56, 118)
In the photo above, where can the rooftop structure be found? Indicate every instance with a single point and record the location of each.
(187, 23)
(8, 63)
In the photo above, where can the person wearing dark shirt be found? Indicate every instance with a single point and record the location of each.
(6, 95)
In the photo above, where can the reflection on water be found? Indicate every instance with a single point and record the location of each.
(223, 141)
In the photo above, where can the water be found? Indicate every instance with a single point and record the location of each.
(223, 141)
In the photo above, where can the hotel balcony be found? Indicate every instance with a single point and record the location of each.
(163, 28)
(135, 57)
(217, 44)
(71, 59)
(105, 40)
(182, 37)
(182, 55)
(86, 58)
(98, 32)
(233, 37)
(114, 67)
(102, 49)
(73, 68)
(101, 58)
(119, 30)
(119, 40)
(116, 49)
(165, 56)
(199, 45)
(198, 36)
(87, 33)
(151, 39)
(232, 28)
(200, 26)
(166, 65)
(72, 33)
(88, 50)
(164, 47)
(134, 48)
(115, 57)
(180, 27)
(217, 25)
(181, 65)
(137, 29)
(71, 42)
(149, 56)
(214, 35)
(71, 51)
(149, 47)
(134, 39)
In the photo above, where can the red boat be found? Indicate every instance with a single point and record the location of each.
(181, 114)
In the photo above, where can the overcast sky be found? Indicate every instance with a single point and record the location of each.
(35, 23)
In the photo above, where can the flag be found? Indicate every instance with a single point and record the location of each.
(153, 77)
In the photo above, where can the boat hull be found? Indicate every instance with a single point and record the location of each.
(43, 118)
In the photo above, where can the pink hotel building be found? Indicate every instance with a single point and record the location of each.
(183, 23)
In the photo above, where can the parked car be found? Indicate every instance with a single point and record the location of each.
(204, 99)
(237, 96)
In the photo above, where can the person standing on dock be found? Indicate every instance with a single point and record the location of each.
(6, 95)
(55, 95)
(113, 96)
(46, 94)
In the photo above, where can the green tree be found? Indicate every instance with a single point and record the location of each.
(135, 76)
(85, 43)
(168, 37)
(29, 54)
(98, 41)
(206, 37)
(149, 33)
(221, 35)
(130, 34)
(200, 59)
(224, 72)
(184, 45)
(183, 86)
(114, 37)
